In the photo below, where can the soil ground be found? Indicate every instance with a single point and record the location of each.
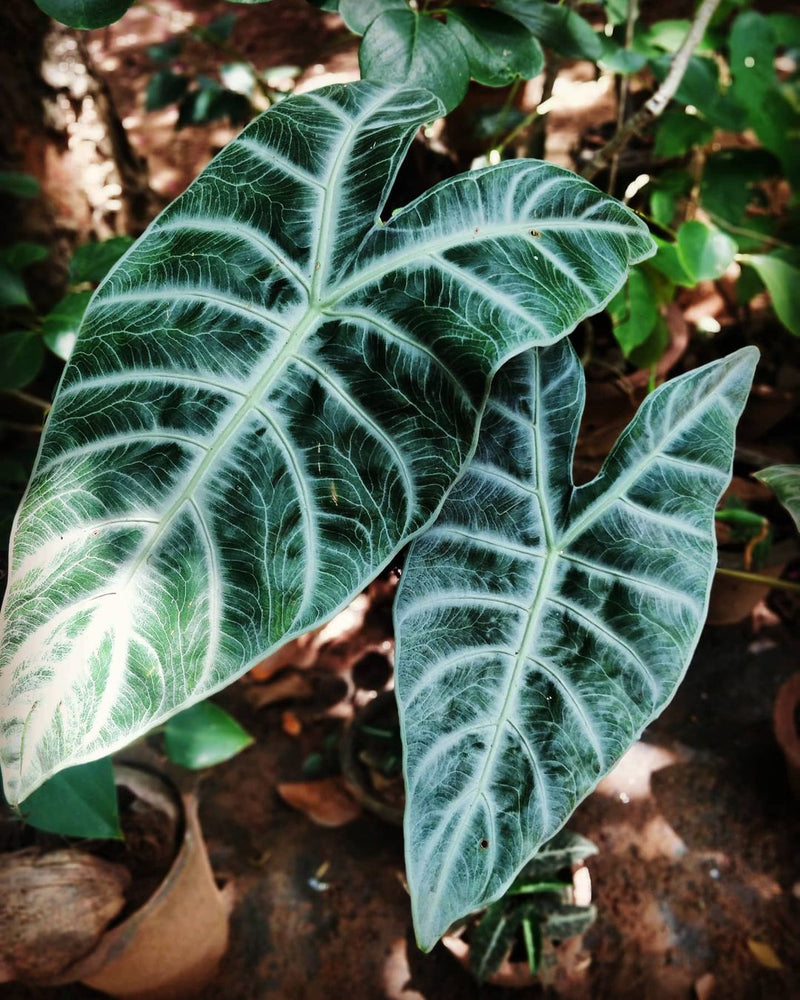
(697, 880)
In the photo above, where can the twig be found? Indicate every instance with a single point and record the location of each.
(624, 86)
(768, 581)
(655, 105)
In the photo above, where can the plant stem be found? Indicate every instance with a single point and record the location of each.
(769, 581)
(655, 105)
(26, 397)
(624, 86)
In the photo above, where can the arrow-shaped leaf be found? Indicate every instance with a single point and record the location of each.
(541, 627)
(270, 394)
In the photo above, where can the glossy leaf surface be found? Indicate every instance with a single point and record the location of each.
(204, 735)
(270, 394)
(784, 481)
(84, 13)
(540, 627)
(77, 802)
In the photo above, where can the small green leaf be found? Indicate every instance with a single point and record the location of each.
(12, 288)
(405, 47)
(633, 310)
(220, 29)
(84, 14)
(92, 261)
(727, 185)
(564, 850)
(557, 27)
(704, 252)
(498, 47)
(784, 481)
(358, 15)
(667, 260)
(22, 355)
(647, 354)
(780, 272)
(165, 51)
(77, 802)
(19, 184)
(492, 938)
(700, 88)
(203, 735)
(60, 326)
(677, 132)
(617, 59)
(164, 88)
(21, 255)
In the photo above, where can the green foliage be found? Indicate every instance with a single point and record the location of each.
(780, 272)
(248, 446)
(22, 354)
(203, 735)
(18, 184)
(535, 906)
(540, 627)
(705, 253)
(84, 13)
(77, 802)
(784, 481)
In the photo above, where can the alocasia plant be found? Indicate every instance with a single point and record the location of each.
(270, 394)
(540, 626)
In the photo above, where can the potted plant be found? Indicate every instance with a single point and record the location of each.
(293, 383)
(109, 882)
(517, 938)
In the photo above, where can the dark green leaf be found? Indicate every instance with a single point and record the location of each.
(493, 937)
(203, 735)
(92, 261)
(617, 59)
(235, 451)
(12, 288)
(700, 88)
(704, 252)
(498, 47)
(668, 262)
(84, 13)
(60, 325)
(677, 132)
(568, 921)
(649, 353)
(358, 15)
(164, 88)
(557, 27)
(210, 102)
(752, 58)
(220, 29)
(669, 36)
(786, 29)
(19, 184)
(784, 481)
(564, 850)
(633, 310)
(21, 255)
(404, 47)
(77, 802)
(780, 272)
(539, 626)
(165, 51)
(22, 355)
(727, 184)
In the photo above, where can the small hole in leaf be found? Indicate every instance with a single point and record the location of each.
(484, 844)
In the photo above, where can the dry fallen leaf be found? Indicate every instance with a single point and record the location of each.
(326, 802)
(704, 986)
(290, 724)
(764, 954)
(294, 684)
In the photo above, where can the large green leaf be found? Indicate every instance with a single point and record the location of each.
(406, 47)
(270, 394)
(784, 481)
(77, 802)
(85, 13)
(557, 26)
(540, 627)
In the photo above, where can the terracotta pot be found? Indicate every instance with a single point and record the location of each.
(355, 773)
(733, 599)
(172, 945)
(786, 721)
